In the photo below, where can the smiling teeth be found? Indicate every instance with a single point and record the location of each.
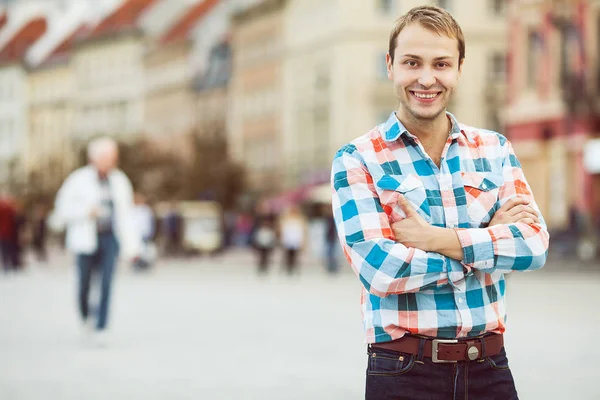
(425, 96)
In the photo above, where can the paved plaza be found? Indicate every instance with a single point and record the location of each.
(211, 329)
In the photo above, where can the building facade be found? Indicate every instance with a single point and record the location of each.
(14, 111)
(336, 86)
(255, 116)
(553, 102)
(109, 75)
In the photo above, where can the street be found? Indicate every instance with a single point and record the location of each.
(211, 329)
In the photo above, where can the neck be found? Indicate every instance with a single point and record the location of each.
(425, 130)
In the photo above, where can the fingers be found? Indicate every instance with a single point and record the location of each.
(521, 208)
(525, 215)
(406, 207)
(513, 202)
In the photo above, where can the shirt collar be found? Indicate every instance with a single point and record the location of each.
(393, 128)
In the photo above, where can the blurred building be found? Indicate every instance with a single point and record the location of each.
(255, 118)
(18, 35)
(169, 97)
(49, 155)
(553, 107)
(211, 90)
(109, 74)
(299, 97)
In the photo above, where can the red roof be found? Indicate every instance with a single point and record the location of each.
(180, 29)
(64, 47)
(126, 16)
(20, 42)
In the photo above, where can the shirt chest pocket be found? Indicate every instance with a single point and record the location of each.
(481, 190)
(390, 187)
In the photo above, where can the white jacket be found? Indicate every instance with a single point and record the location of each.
(80, 194)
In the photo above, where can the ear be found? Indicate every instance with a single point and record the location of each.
(460, 67)
(390, 67)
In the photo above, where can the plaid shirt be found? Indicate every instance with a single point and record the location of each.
(410, 290)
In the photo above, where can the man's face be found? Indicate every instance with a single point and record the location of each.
(425, 72)
(106, 161)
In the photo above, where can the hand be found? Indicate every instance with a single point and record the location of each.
(412, 231)
(515, 210)
(95, 212)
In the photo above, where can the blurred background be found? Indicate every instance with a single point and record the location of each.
(228, 114)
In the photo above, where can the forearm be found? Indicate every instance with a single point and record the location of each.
(387, 268)
(505, 247)
(445, 241)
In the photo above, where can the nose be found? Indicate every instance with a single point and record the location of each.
(426, 78)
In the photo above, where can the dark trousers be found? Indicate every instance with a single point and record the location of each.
(103, 261)
(8, 249)
(264, 258)
(39, 246)
(393, 375)
(291, 260)
(332, 262)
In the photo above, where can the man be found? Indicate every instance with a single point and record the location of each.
(431, 215)
(95, 202)
(143, 218)
(8, 228)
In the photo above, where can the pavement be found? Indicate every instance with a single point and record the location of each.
(210, 328)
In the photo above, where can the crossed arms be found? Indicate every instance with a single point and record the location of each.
(411, 255)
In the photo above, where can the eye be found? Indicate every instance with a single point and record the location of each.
(442, 65)
(411, 63)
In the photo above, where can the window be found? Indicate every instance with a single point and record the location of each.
(381, 67)
(385, 6)
(497, 67)
(445, 4)
(498, 7)
(534, 46)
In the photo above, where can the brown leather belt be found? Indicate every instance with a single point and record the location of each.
(447, 350)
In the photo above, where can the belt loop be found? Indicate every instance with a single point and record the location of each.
(482, 340)
(421, 349)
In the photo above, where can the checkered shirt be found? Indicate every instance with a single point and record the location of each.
(407, 290)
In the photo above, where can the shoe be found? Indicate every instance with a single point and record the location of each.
(87, 327)
(101, 338)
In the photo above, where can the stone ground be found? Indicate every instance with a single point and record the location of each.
(211, 329)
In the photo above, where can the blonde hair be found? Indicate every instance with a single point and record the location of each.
(433, 18)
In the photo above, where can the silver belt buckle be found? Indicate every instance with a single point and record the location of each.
(434, 350)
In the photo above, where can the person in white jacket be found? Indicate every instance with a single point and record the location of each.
(95, 204)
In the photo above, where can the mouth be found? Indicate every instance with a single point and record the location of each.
(425, 97)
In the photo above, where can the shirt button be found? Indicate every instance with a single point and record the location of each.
(460, 301)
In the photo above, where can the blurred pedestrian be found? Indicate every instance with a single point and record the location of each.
(143, 217)
(39, 231)
(8, 228)
(264, 237)
(293, 231)
(331, 241)
(17, 236)
(432, 214)
(172, 230)
(95, 202)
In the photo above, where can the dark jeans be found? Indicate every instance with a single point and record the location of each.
(393, 375)
(264, 257)
(103, 261)
(291, 260)
(9, 251)
(332, 264)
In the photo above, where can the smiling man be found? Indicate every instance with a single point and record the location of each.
(431, 215)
